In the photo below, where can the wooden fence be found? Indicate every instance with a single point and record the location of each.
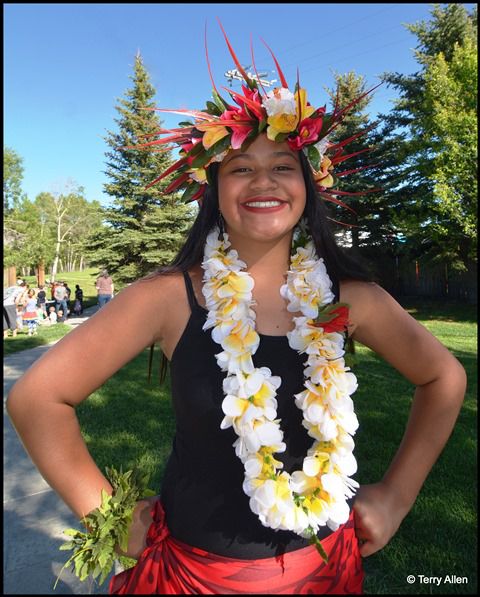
(400, 277)
(417, 278)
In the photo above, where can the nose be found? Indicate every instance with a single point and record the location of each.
(263, 179)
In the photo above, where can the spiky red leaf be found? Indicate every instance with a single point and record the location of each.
(255, 67)
(208, 61)
(176, 183)
(279, 70)
(255, 108)
(333, 199)
(339, 158)
(235, 59)
(355, 170)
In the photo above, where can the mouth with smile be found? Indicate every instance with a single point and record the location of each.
(263, 204)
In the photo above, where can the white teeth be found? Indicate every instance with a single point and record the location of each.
(263, 203)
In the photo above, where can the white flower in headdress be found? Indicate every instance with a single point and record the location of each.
(280, 101)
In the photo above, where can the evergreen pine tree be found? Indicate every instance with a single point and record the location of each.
(371, 224)
(144, 228)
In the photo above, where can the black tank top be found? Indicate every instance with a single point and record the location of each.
(202, 492)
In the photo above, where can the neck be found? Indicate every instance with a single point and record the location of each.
(264, 257)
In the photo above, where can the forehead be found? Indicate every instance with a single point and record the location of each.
(263, 148)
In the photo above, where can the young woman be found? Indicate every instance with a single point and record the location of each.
(238, 315)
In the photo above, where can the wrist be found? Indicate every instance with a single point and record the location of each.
(397, 495)
(138, 529)
(109, 526)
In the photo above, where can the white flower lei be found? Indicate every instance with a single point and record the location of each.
(316, 495)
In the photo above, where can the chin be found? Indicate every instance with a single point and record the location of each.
(264, 233)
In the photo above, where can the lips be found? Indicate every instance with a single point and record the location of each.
(263, 203)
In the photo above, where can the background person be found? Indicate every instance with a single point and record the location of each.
(69, 292)
(60, 295)
(78, 305)
(42, 300)
(105, 288)
(30, 315)
(10, 310)
(52, 315)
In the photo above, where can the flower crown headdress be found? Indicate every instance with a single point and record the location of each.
(282, 114)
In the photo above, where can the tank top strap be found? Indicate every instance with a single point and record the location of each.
(192, 299)
(336, 289)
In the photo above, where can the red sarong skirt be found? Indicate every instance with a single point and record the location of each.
(169, 567)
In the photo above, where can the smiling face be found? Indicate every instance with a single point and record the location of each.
(261, 191)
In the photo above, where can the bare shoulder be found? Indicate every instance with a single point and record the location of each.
(157, 297)
(160, 288)
(362, 299)
(379, 322)
(142, 314)
(372, 308)
(160, 285)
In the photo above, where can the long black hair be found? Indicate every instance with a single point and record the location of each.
(340, 265)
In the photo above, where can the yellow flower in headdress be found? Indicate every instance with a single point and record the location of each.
(213, 133)
(305, 110)
(323, 176)
(282, 112)
(198, 175)
(285, 110)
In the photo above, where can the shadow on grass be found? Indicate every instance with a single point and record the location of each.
(45, 335)
(426, 309)
(130, 421)
(438, 536)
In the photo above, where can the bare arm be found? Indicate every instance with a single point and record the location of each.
(42, 402)
(382, 325)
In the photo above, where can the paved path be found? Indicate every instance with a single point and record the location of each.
(34, 516)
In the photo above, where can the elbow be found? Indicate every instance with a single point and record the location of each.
(462, 378)
(456, 381)
(13, 402)
(17, 403)
(449, 384)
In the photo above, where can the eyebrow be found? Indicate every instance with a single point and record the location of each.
(275, 154)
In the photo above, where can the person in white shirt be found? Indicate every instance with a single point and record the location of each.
(11, 297)
(52, 317)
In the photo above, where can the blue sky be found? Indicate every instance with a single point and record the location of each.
(66, 65)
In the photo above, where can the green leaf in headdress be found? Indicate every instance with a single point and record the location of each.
(220, 102)
(190, 191)
(281, 137)
(200, 161)
(213, 109)
(314, 157)
(262, 125)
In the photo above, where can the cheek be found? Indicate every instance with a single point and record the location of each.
(300, 193)
(226, 197)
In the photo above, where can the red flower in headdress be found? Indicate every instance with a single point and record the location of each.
(308, 132)
(241, 130)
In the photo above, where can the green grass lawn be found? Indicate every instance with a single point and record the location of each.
(45, 335)
(128, 421)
